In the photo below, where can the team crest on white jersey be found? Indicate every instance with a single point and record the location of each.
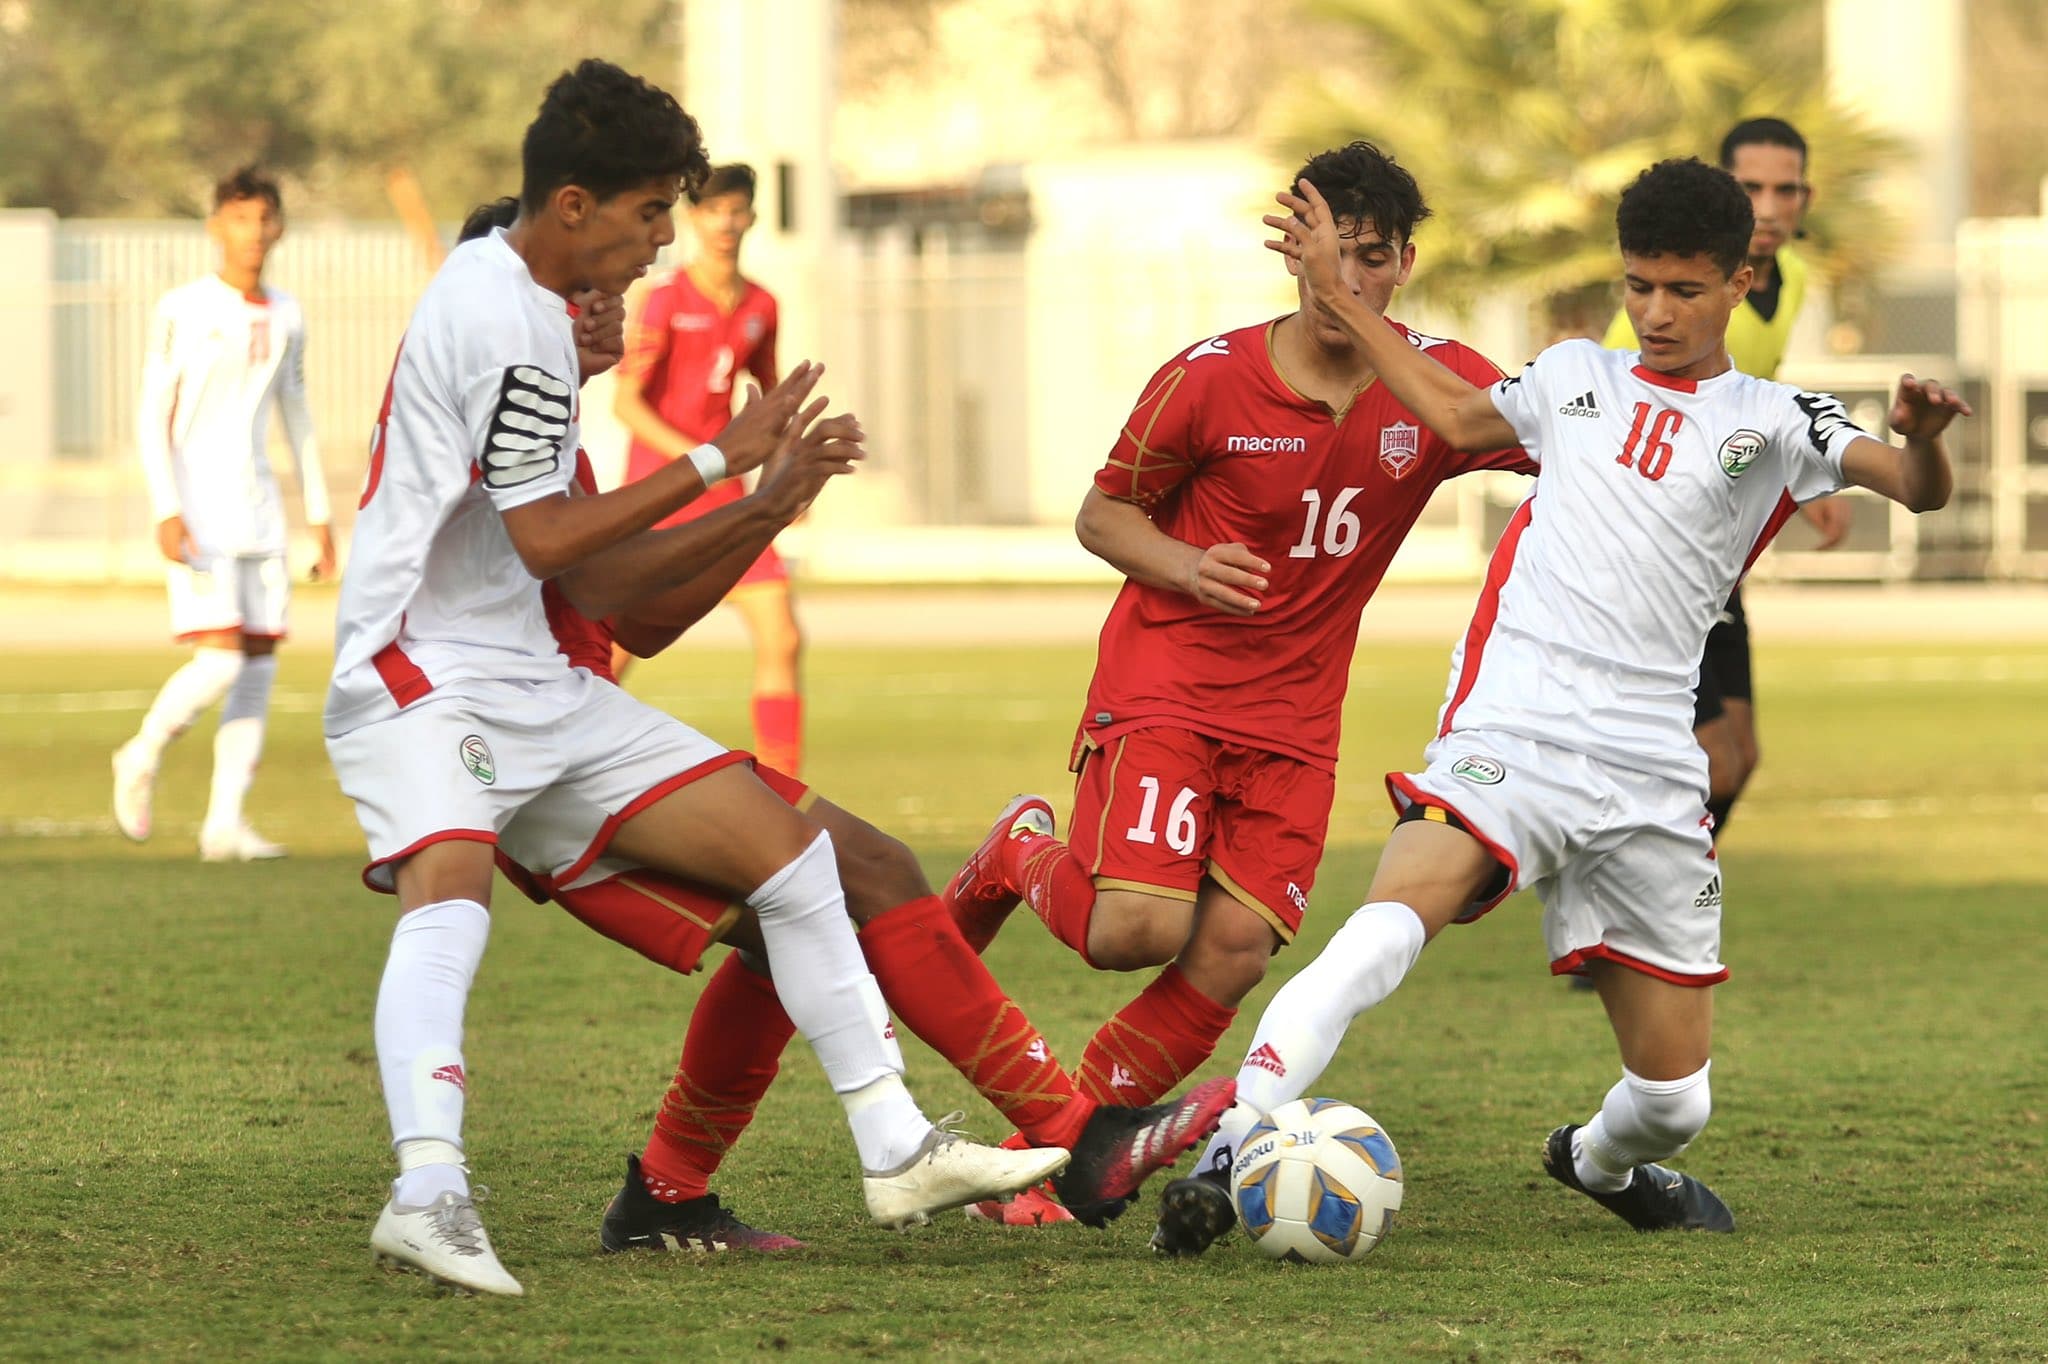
(1739, 451)
(1400, 448)
(1215, 345)
(1477, 767)
(525, 439)
(476, 756)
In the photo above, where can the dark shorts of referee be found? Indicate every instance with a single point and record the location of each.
(1724, 666)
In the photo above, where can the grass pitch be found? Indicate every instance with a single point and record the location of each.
(192, 1145)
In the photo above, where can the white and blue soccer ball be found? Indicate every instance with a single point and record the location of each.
(1316, 1181)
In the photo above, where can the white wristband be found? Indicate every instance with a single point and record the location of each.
(709, 461)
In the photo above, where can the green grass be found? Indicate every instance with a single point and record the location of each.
(192, 1145)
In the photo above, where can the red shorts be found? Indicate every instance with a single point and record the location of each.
(1156, 810)
(666, 919)
(769, 568)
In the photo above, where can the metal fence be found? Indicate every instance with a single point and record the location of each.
(938, 348)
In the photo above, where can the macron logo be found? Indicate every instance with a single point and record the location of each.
(1119, 1078)
(1266, 445)
(1265, 1058)
(1582, 406)
(1215, 345)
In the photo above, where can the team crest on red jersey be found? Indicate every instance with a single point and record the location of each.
(1400, 448)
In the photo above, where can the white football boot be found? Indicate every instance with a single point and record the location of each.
(237, 844)
(445, 1241)
(949, 1171)
(134, 784)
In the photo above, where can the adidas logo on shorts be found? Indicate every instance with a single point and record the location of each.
(1709, 896)
(1585, 405)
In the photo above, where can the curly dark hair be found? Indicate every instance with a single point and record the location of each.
(735, 178)
(497, 213)
(607, 130)
(1686, 208)
(1365, 185)
(247, 182)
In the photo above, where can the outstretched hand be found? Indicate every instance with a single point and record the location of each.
(807, 456)
(1923, 408)
(751, 437)
(1308, 238)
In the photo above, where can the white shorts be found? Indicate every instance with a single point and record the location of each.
(248, 593)
(463, 761)
(1622, 860)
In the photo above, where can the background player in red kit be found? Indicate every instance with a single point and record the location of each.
(696, 333)
(1253, 501)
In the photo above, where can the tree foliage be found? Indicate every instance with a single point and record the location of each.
(119, 107)
(1525, 119)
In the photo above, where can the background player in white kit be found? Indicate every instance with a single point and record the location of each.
(1564, 759)
(452, 705)
(224, 351)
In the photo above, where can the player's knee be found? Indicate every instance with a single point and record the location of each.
(777, 635)
(1138, 934)
(1225, 973)
(1670, 1113)
(877, 871)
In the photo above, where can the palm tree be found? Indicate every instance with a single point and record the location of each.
(1525, 119)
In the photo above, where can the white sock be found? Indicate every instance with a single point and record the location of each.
(1639, 1121)
(823, 982)
(1300, 1030)
(434, 954)
(238, 743)
(185, 695)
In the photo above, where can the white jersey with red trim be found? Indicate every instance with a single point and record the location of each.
(219, 361)
(1653, 495)
(480, 417)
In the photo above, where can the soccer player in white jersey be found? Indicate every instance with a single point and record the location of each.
(224, 351)
(452, 706)
(1564, 759)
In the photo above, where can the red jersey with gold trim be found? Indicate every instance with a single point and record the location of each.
(685, 353)
(1220, 449)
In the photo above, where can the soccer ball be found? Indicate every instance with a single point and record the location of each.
(1316, 1181)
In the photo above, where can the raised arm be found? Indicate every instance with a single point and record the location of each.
(662, 583)
(1916, 475)
(1464, 415)
(555, 534)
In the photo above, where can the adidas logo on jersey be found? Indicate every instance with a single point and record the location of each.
(1584, 405)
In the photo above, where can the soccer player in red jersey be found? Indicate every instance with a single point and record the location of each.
(1253, 501)
(696, 333)
(935, 983)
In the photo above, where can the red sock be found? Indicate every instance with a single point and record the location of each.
(943, 994)
(1154, 1043)
(730, 1054)
(1055, 884)
(779, 731)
